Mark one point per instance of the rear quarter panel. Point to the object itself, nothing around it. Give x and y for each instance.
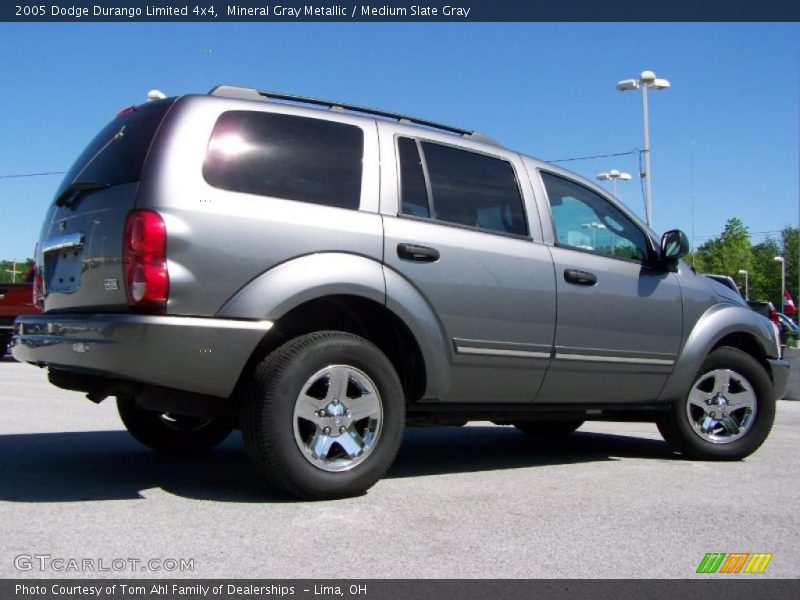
(218, 240)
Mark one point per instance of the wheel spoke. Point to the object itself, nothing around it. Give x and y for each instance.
(321, 445)
(337, 384)
(722, 381)
(351, 442)
(366, 405)
(698, 398)
(743, 399)
(308, 407)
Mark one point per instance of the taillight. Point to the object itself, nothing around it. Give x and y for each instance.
(145, 261)
(37, 280)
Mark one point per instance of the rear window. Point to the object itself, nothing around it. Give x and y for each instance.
(285, 156)
(116, 154)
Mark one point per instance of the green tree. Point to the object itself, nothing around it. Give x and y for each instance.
(791, 254)
(765, 276)
(728, 253)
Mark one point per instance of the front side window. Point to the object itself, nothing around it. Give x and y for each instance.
(463, 187)
(285, 156)
(585, 220)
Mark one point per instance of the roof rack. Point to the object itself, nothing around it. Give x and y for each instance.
(232, 91)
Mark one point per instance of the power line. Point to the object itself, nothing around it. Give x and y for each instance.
(750, 234)
(32, 174)
(634, 151)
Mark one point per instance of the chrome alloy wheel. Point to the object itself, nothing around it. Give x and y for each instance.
(337, 418)
(721, 406)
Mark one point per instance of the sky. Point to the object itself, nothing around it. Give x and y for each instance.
(725, 138)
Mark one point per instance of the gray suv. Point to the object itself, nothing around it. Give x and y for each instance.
(320, 275)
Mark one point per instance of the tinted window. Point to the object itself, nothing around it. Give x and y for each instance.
(586, 220)
(310, 160)
(116, 154)
(471, 189)
(413, 192)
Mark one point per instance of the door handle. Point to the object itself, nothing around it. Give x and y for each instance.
(580, 277)
(417, 253)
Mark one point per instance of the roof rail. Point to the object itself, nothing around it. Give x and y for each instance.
(244, 93)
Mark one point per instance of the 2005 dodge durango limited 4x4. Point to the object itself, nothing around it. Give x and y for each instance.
(319, 275)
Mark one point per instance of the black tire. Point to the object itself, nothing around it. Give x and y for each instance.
(171, 433)
(548, 429)
(273, 434)
(677, 429)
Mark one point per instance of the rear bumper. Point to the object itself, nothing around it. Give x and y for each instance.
(780, 377)
(193, 354)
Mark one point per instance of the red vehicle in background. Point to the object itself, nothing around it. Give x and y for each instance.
(16, 299)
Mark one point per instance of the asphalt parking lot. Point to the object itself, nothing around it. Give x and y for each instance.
(472, 502)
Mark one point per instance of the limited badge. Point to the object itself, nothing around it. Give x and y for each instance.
(111, 284)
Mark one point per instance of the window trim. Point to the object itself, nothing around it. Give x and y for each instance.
(649, 259)
(429, 188)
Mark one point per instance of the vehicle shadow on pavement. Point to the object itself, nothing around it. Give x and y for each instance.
(110, 465)
(440, 450)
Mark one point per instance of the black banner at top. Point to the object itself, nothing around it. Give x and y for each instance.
(418, 11)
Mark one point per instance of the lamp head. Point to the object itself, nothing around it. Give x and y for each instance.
(647, 77)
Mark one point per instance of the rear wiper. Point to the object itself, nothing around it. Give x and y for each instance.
(74, 191)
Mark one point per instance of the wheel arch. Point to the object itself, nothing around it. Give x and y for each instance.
(722, 325)
(346, 292)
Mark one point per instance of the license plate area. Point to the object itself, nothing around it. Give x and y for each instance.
(63, 260)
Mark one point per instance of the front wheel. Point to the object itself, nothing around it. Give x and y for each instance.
(165, 432)
(323, 416)
(728, 411)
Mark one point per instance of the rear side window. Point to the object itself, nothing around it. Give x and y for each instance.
(465, 188)
(285, 156)
(116, 155)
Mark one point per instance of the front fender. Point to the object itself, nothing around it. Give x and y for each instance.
(715, 324)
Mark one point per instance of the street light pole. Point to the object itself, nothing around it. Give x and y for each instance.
(783, 280)
(746, 284)
(648, 191)
(646, 80)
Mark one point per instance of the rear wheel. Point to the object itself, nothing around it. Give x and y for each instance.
(548, 429)
(324, 415)
(165, 432)
(728, 411)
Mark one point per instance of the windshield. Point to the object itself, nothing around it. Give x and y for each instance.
(116, 154)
